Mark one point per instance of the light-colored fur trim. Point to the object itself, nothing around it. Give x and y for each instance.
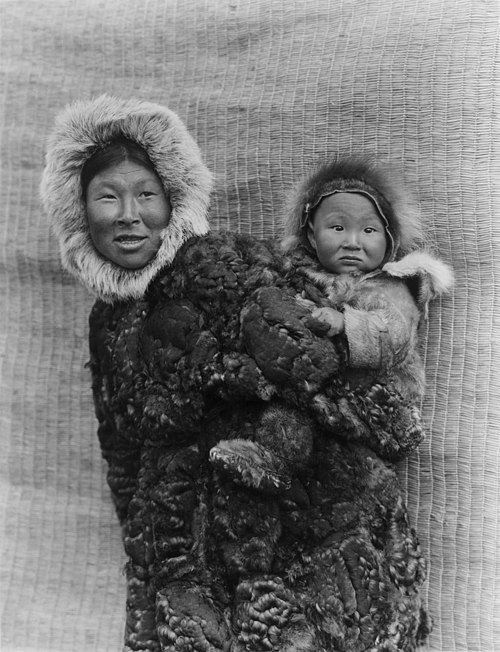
(423, 265)
(434, 276)
(87, 125)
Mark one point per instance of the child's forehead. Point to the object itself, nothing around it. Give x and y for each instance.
(349, 205)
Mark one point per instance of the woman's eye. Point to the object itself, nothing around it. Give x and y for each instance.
(148, 193)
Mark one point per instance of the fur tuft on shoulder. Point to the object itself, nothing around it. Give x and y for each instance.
(434, 277)
(80, 130)
(422, 263)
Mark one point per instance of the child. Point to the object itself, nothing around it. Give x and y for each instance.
(353, 234)
(353, 237)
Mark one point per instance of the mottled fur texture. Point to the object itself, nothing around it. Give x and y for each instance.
(326, 560)
(209, 344)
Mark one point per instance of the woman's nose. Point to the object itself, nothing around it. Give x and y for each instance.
(129, 213)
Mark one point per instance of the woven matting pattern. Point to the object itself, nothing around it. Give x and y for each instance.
(266, 87)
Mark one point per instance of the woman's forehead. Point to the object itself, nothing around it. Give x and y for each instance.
(124, 172)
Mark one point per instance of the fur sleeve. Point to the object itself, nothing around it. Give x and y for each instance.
(381, 328)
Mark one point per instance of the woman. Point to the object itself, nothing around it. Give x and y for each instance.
(196, 338)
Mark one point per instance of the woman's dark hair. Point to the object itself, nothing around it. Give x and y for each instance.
(117, 151)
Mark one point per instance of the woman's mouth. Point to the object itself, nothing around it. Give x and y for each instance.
(129, 238)
(129, 241)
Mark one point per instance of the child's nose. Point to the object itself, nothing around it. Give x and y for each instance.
(351, 240)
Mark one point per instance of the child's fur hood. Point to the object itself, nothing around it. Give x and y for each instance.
(356, 174)
(80, 130)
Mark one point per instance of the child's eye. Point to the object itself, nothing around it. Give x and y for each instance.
(337, 227)
(370, 229)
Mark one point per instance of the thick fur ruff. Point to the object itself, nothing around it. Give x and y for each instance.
(84, 127)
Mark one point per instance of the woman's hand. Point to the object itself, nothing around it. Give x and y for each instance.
(333, 318)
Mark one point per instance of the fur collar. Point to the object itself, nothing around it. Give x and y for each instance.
(87, 125)
(432, 277)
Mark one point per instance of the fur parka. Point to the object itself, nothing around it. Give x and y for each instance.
(209, 343)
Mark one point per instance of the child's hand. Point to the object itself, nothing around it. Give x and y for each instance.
(333, 318)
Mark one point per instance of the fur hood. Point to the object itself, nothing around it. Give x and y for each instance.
(80, 130)
(362, 175)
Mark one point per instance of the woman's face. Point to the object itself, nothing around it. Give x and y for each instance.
(127, 210)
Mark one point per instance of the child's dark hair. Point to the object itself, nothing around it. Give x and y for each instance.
(117, 151)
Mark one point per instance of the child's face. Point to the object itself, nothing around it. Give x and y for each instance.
(127, 211)
(348, 234)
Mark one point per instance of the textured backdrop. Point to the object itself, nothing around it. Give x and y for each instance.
(266, 86)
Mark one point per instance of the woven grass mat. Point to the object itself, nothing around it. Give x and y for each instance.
(266, 86)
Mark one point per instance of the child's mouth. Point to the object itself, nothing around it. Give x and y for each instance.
(350, 260)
